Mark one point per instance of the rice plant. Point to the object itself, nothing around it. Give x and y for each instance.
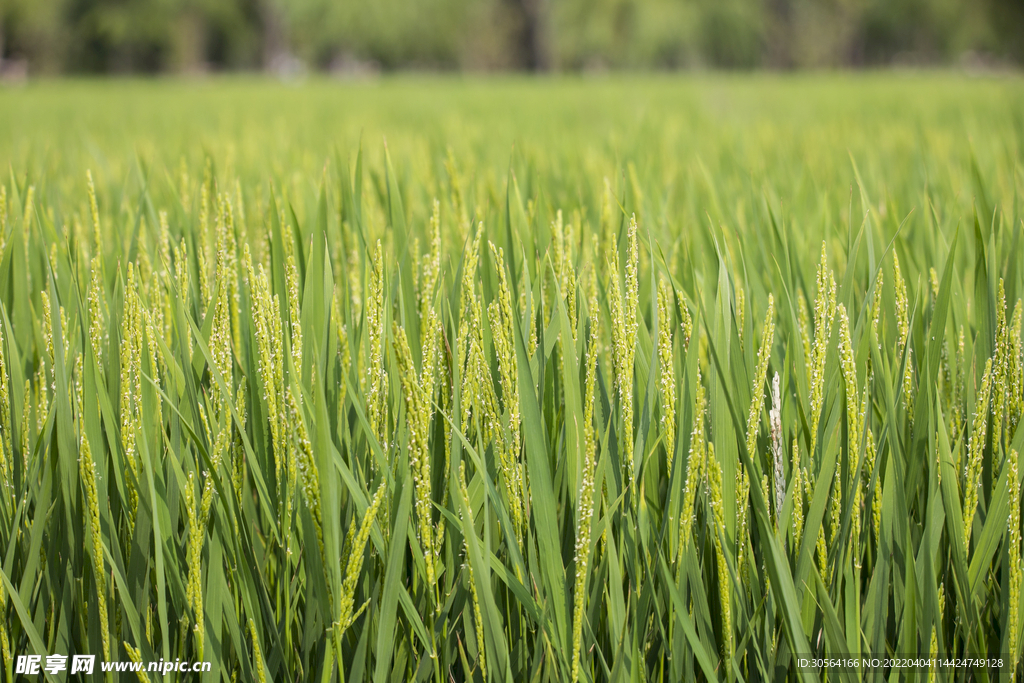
(406, 421)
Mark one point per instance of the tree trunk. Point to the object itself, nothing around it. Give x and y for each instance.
(540, 44)
(780, 34)
(274, 48)
(188, 49)
(529, 38)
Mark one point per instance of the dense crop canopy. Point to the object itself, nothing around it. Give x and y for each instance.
(674, 403)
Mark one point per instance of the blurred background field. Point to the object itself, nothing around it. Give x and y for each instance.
(793, 137)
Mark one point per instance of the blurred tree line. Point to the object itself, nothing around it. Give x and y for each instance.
(117, 36)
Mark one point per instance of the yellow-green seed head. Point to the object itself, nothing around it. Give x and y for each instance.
(502, 333)
(1002, 368)
(417, 424)
(94, 211)
(775, 428)
(741, 307)
(376, 382)
(976, 448)
(724, 580)
(760, 376)
(136, 656)
(902, 305)
(257, 654)
(294, 310)
(196, 535)
(876, 310)
(667, 375)
(3, 216)
(847, 365)
(824, 314)
(585, 510)
(694, 465)
(687, 321)
(798, 495)
(1016, 577)
(1016, 380)
(468, 528)
(804, 325)
(356, 550)
(87, 470)
(6, 417)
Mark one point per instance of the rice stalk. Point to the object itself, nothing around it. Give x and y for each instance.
(294, 310)
(131, 388)
(6, 425)
(775, 429)
(376, 375)
(798, 495)
(585, 509)
(500, 315)
(356, 551)
(824, 314)
(876, 310)
(667, 371)
(1016, 578)
(976, 449)
(903, 331)
(87, 470)
(308, 473)
(1016, 373)
(624, 329)
(724, 583)
(257, 654)
(469, 529)
(1001, 369)
(741, 307)
(686, 323)
(695, 465)
(417, 420)
(194, 585)
(136, 656)
(3, 218)
(753, 424)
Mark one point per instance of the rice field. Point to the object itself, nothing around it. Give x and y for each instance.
(569, 380)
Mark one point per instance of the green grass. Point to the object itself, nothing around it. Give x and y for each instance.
(245, 433)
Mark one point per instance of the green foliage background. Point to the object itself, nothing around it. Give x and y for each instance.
(103, 36)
